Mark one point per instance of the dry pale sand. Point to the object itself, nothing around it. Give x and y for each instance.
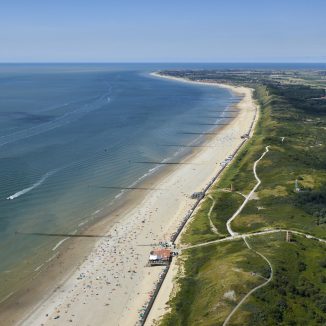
(113, 284)
(248, 116)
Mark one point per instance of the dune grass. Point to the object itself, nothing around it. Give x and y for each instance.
(216, 277)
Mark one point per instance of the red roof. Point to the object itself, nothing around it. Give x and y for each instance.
(162, 253)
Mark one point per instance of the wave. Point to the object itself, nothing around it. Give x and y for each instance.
(35, 185)
(59, 243)
(7, 297)
(38, 268)
(52, 257)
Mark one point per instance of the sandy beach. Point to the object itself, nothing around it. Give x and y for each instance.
(113, 284)
(248, 116)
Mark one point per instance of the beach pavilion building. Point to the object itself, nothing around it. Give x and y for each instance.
(158, 257)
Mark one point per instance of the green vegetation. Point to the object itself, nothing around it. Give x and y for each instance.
(215, 282)
(217, 276)
(300, 158)
(292, 195)
(297, 293)
(313, 202)
(199, 230)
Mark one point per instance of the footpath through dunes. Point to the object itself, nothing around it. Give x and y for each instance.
(226, 321)
(218, 279)
(236, 236)
(113, 282)
(228, 224)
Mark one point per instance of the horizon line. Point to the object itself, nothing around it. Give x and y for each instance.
(162, 62)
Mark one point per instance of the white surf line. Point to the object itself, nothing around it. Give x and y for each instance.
(213, 227)
(85, 221)
(254, 289)
(59, 243)
(228, 223)
(97, 211)
(7, 297)
(52, 257)
(38, 267)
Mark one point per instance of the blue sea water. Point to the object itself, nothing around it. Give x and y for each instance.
(69, 131)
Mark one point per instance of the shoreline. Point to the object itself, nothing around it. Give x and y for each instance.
(44, 285)
(234, 89)
(21, 296)
(134, 292)
(166, 290)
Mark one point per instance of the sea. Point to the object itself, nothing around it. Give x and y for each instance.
(74, 136)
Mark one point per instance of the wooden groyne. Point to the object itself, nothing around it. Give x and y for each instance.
(175, 235)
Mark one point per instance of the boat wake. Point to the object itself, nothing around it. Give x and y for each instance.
(35, 185)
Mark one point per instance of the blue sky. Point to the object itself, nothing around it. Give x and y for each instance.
(162, 31)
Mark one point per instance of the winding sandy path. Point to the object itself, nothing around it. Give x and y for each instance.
(213, 227)
(226, 321)
(235, 236)
(228, 223)
(239, 236)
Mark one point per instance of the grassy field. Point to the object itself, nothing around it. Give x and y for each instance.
(215, 282)
(292, 195)
(297, 294)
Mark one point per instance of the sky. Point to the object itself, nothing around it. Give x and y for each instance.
(162, 31)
